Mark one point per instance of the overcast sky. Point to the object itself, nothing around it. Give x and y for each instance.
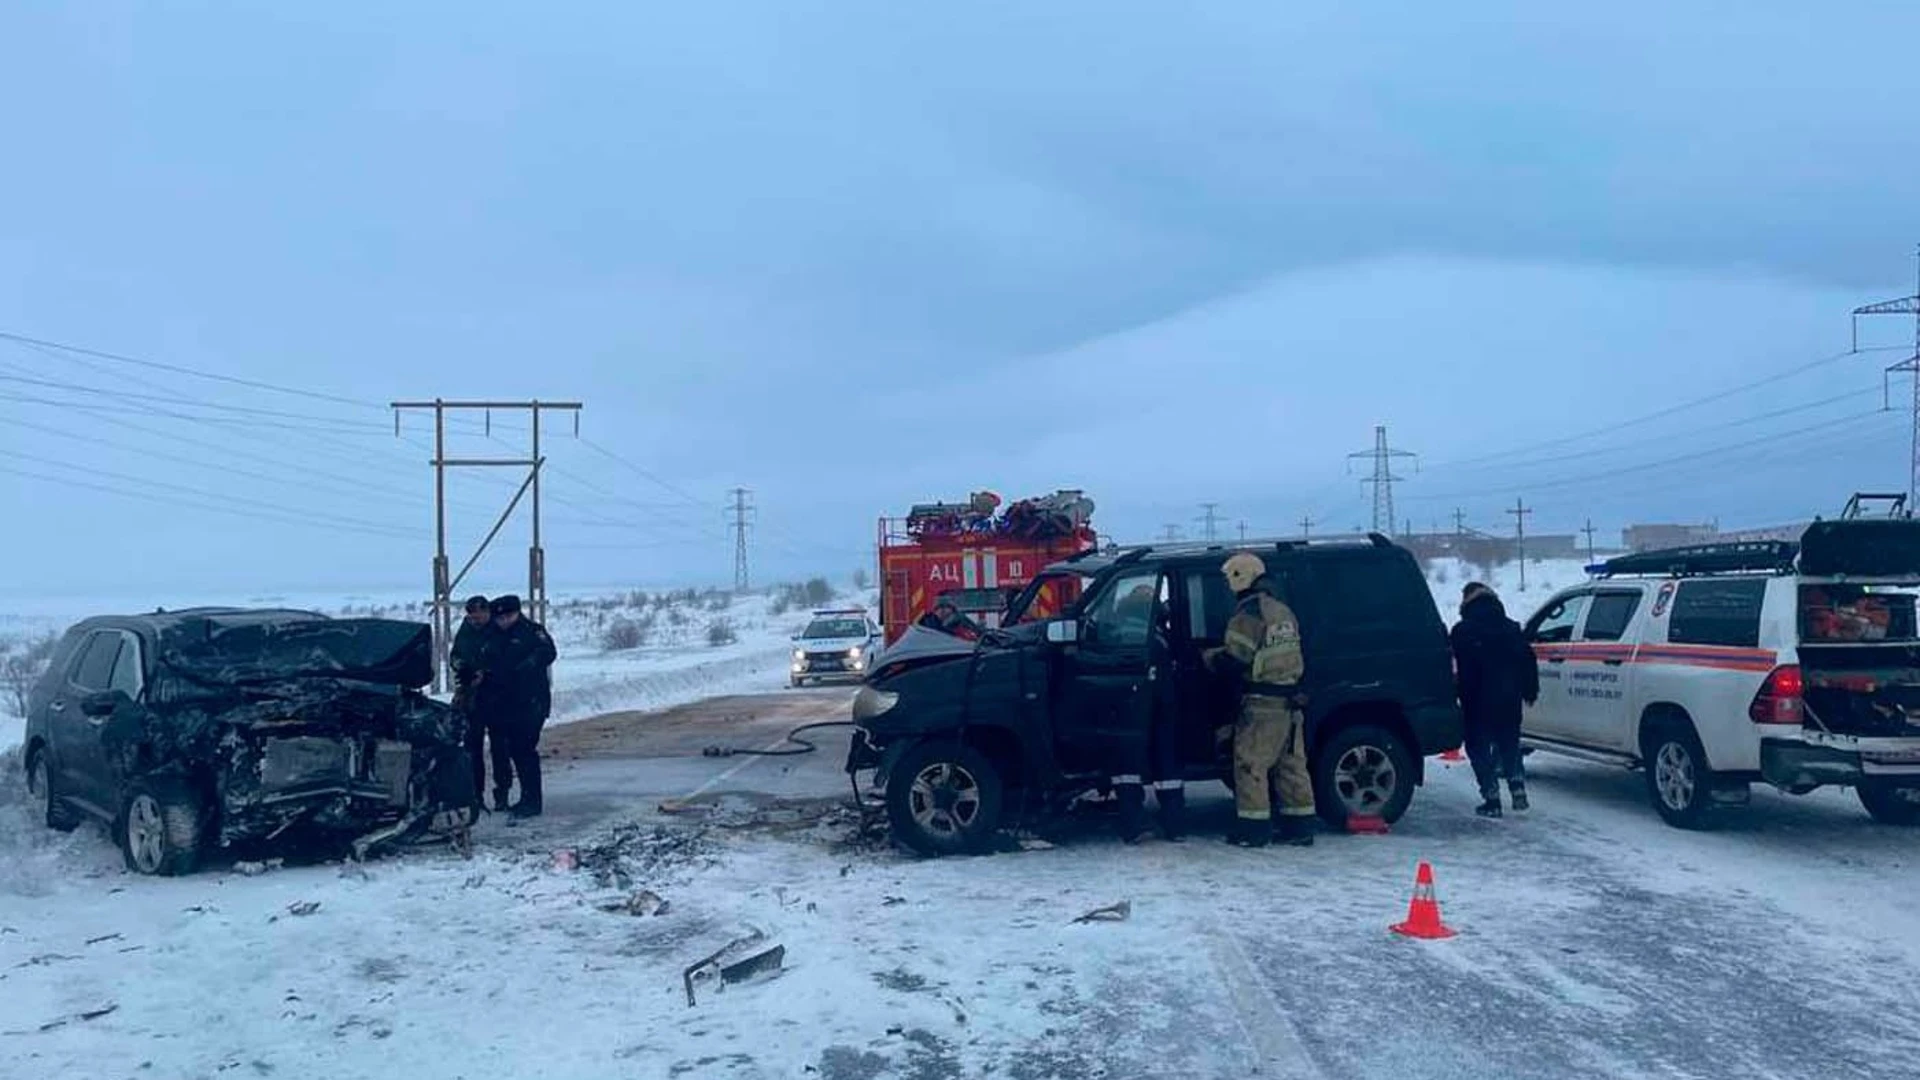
(855, 255)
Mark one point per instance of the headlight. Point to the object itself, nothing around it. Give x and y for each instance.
(869, 703)
(853, 653)
(799, 654)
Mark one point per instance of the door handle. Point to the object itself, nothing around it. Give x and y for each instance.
(1556, 659)
(59, 705)
(1613, 663)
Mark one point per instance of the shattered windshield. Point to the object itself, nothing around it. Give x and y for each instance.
(835, 628)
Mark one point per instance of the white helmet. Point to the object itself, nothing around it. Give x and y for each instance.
(1243, 568)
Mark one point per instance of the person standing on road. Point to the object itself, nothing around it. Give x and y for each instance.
(1263, 652)
(517, 692)
(1498, 677)
(467, 657)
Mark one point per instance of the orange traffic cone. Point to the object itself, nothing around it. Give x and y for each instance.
(1453, 755)
(1423, 914)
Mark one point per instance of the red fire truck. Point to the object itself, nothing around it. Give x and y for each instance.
(977, 555)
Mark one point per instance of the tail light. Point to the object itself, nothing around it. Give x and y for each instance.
(1778, 701)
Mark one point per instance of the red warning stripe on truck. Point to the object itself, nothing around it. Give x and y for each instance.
(1717, 657)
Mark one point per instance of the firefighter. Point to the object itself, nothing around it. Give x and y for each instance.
(517, 693)
(1262, 651)
(467, 656)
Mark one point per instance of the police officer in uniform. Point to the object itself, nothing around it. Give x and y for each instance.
(517, 693)
(1262, 651)
(466, 656)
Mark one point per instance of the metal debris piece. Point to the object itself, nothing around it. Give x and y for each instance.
(709, 967)
(640, 905)
(303, 907)
(254, 869)
(1034, 843)
(753, 966)
(890, 901)
(1111, 913)
(79, 1017)
(103, 937)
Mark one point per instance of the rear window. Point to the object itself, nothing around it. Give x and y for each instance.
(1708, 612)
(1609, 614)
(95, 669)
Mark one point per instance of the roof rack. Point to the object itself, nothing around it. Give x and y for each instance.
(1135, 552)
(1746, 556)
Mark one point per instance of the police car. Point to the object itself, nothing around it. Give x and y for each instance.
(1713, 667)
(837, 644)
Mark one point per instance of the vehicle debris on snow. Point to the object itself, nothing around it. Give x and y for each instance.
(734, 963)
(641, 904)
(1111, 913)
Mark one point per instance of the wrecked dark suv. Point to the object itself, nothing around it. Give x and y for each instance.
(962, 737)
(216, 727)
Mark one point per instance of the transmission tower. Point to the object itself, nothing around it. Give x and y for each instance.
(1209, 520)
(740, 522)
(1170, 533)
(444, 579)
(1906, 305)
(1382, 479)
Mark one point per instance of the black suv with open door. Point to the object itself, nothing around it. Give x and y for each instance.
(961, 736)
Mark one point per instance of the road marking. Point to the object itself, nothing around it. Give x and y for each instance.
(729, 772)
(1267, 1028)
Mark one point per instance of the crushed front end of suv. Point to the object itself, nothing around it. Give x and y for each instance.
(215, 727)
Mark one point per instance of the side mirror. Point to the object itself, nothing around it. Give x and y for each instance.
(101, 703)
(1063, 632)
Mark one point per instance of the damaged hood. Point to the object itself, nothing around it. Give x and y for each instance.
(920, 643)
(215, 651)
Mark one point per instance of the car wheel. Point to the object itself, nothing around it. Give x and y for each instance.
(1363, 770)
(43, 796)
(162, 825)
(1678, 780)
(1890, 804)
(944, 799)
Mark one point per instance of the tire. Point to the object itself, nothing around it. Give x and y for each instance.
(1364, 769)
(1890, 804)
(43, 794)
(1678, 780)
(931, 774)
(162, 827)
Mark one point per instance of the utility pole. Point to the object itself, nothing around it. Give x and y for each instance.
(742, 512)
(1906, 305)
(1306, 526)
(1520, 511)
(1459, 522)
(1170, 533)
(444, 583)
(1243, 530)
(1589, 530)
(1209, 520)
(1382, 479)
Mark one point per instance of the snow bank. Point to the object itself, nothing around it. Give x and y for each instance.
(1544, 578)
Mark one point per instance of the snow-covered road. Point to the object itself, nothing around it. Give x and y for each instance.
(1594, 942)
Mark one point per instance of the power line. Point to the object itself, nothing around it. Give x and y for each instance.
(179, 369)
(1572, 481)
(128, 395)
(1906, 305)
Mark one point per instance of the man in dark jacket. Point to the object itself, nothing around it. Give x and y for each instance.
(1499, 677)
(466, 656)
(517, 694)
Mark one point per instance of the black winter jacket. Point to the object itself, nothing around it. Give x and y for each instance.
(516, 662)
(1497, 668)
